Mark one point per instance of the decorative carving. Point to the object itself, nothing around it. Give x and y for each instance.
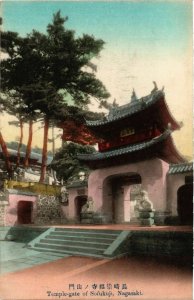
(144, 209)
(133, 96)
(127, 132)
(155, 89)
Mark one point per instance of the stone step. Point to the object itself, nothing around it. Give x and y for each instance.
(76, 243)
(80, 238)
(96, 243)
(62, 253)
(84, 230)
(86, 233)
(65, 248)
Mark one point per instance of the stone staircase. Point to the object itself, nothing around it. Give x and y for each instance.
(82, 242)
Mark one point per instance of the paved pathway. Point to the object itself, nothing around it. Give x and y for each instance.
(84, 278)
(15, 256)
(27, 274)
(78, 278)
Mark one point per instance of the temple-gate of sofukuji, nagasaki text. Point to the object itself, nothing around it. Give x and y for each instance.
(137, 176)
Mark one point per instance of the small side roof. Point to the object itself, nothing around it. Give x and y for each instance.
(33, 156)
(181, 168)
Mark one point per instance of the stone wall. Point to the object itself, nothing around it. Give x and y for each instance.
(48, 210)
(3, 207)
(2, 213)
(175, 245)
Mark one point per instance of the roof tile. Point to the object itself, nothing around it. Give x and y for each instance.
(128, 109)
(181, 168)
(124, 150)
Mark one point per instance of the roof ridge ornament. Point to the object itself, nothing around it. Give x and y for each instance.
(115, 104)
(155, 89)
(133, 96)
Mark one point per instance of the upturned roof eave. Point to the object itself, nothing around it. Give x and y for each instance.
(141, 105)
(168, 151)
(124, 150)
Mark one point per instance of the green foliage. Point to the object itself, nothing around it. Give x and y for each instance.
(44, 71)
(14, 105)
(40, 65)
(66, 163)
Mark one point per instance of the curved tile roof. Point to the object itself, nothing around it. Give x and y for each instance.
(128, 109)
(33, 155)
(125, 150)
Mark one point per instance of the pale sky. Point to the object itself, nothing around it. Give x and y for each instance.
(145, 41)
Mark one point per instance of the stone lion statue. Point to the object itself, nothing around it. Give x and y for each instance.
(144, 204)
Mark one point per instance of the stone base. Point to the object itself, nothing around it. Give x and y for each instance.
(160, 217)
(87, 221)
(147, 222)
(134, 221)
(87, 218)
(172, 220)
(100, 218)
(146, 214)
(146, 217)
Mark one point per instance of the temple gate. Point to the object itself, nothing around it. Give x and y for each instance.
(135, 139)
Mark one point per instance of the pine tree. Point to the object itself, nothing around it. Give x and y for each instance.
(2, 142)
(15, 105)
(48, 71)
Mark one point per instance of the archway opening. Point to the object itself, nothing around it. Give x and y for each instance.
(24, 212)
(185, 204)
(119, 199)
(79, 203)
